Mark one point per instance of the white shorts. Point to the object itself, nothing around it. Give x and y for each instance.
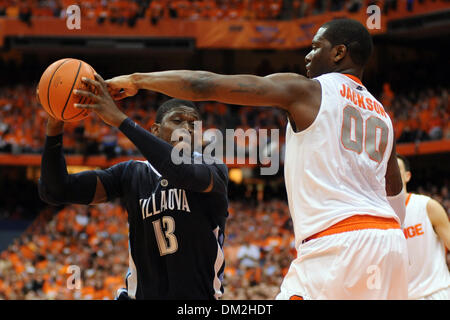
(443, 294)
(361, 264)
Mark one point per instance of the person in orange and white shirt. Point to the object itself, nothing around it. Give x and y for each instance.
(427, 233)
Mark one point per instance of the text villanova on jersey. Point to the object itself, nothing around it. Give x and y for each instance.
(170, 199)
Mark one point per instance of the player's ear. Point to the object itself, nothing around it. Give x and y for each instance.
(155, 129)
(339, 52)
(407, 176)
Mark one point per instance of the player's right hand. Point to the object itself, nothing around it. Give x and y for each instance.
(121, 87)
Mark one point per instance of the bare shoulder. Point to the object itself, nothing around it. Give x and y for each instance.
(302, 95)
(295, 81)
(303, 98)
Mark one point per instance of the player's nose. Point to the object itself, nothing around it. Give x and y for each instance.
(188, 126)
(308, 58)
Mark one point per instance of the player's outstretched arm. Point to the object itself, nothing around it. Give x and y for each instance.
(439, 219)
(56, 186)
(278, 90)
(195, 177)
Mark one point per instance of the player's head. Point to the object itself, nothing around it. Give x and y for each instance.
(340, 45)
(175, 114)
(405, 169)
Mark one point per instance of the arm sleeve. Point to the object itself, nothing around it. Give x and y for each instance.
(55, 185)
(113, 179)
(194, 177)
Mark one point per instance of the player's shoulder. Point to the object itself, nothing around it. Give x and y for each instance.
(212, 161)
(136, 166)
(294, 81)
(417, 198)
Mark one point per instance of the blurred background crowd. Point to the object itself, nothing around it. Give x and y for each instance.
(408, 76)
(126, 12)
(417, 116)
(259, 247)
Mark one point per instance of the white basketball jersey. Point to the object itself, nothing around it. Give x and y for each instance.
(336, 167)
(428, 271)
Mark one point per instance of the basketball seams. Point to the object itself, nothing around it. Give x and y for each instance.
(63, 72)
(49, 86)
(87, 100)
(70, 94)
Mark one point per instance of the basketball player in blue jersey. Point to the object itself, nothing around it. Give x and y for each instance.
(176, 213)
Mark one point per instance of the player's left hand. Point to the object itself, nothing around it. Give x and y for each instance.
(102, 103)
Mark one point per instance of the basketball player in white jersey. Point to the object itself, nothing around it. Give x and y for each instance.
(342, 178)
(427, 233)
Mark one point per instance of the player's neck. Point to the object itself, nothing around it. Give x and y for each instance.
(351, 71)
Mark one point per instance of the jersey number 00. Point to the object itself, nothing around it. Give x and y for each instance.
(373, 139)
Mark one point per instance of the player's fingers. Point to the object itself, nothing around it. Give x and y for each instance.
(85, 106)
(102, 82)
(86, 94)
(92, 82)
(99, 78)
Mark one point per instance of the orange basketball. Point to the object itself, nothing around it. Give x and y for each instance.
(55, 89)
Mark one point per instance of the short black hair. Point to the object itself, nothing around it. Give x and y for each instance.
(405, 162)
(171, 104)
(353, 35)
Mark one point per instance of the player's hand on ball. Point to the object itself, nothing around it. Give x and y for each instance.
(121, 87)
(102, 103)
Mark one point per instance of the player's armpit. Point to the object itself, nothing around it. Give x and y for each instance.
(110, 182)
(100, 193)
(219, 179)
(440, 221)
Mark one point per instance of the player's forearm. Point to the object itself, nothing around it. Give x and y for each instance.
(53, 165)
(209, 86)
(56, 186)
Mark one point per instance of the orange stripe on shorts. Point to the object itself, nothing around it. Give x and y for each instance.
(357, 222)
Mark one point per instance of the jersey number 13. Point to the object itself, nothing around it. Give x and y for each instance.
(167, 241)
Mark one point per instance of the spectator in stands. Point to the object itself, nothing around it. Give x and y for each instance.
(156, 11)
(249, 254)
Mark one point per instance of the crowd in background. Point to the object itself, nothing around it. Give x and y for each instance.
(92, 241)
(417, 116)
(127, 12)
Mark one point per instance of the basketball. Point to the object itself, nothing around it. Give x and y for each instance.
(55, 89)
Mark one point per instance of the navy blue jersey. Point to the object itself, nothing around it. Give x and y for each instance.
(175, 235)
